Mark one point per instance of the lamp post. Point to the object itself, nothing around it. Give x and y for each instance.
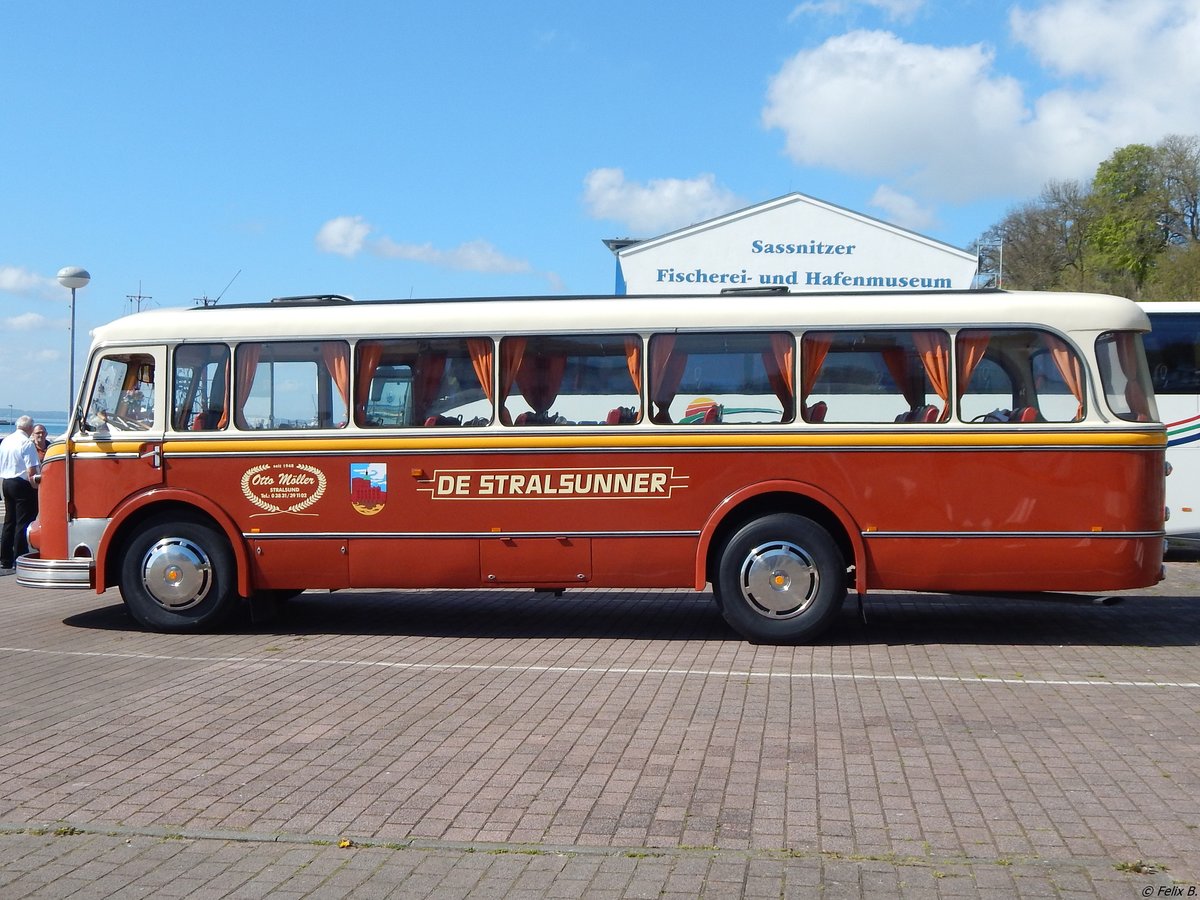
(74, 278)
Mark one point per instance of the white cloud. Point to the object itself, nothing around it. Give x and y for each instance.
(344, 235)
(901, 209)
(660, 205)
(1135, 59)
(897, 10)
(472, 256)
(348, 236)
(871, 104)
(23, 283)
(29, 321)
(944, 123)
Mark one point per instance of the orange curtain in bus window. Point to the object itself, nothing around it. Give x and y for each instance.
(1069, 367)
(336, 357)
(369, 355)
(896, 360)
(427, 381)
(934, 348)
(666, 373)
(972, 345)
(779, 362)
(481, 361)
(633, 360)
(512, 352)
(221, 357)
(813, 350)
(248, 356)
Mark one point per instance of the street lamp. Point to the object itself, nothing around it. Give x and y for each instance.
(74, 278)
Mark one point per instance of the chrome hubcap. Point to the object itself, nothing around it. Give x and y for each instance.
(176, 573)
(779, 580)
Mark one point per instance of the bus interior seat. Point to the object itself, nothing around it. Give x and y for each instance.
(1025, 414)
(816, 412)
(622, 415)
(712, 415)
(923, 414)
(441, 421)
(542, 418)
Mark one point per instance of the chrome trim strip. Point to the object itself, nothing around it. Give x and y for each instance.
(941, 535)
(35, 572)
(457, 535)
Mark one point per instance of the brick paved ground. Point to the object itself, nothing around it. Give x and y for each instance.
(616, 743)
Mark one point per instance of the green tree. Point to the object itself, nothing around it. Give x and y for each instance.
(1129, 208)
(1176, 274)
(1043, 240)
(1179, 172)
(1134, 230)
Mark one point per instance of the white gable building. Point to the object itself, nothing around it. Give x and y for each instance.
(796, 242)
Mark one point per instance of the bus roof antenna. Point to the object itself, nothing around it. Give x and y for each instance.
(206, 301)
(231, 281)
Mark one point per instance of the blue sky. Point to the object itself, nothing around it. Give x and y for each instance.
(396, 149)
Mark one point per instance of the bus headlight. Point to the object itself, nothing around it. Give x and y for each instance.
(1166, 514)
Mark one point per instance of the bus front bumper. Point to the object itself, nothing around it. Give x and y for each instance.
(35, 572)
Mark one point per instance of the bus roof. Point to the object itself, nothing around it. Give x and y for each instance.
(1170, 306)
(301, 318)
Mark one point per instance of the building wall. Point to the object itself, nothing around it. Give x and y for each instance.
(796, 242)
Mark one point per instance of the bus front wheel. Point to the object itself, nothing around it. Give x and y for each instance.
(178, 575)
(780, 579)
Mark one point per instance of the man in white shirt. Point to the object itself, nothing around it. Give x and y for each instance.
(19, 469)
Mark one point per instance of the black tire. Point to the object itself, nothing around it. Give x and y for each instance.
(780, 579)
(178, 575)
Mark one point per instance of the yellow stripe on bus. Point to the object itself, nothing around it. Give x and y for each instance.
(656, 440)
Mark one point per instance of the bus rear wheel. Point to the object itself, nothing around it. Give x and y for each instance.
(178, 575)
(780, 579)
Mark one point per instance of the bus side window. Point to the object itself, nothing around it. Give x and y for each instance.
(410, 382)
(1018, 375)
(571, 380)
(711, 378)
(1173, 352)
(123, 394)
(201, 389)
(286, 385)
(876, 376)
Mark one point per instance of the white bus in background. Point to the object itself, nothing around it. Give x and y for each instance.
(1173, 351)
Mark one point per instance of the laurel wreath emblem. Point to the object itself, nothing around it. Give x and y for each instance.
(272, 508)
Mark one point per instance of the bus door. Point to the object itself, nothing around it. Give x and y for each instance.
(117, 433)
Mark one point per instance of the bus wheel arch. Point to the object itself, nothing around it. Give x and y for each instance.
(133, 516)
(771, 498)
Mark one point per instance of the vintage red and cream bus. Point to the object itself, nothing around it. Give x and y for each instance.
(784, 449)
